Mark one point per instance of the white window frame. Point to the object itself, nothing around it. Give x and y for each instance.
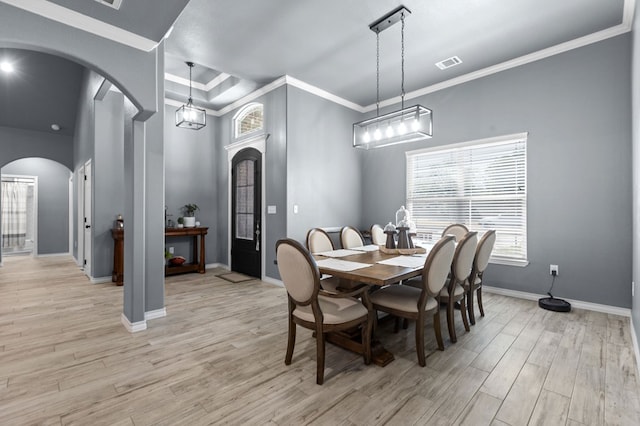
(241, 114)
(511, 243)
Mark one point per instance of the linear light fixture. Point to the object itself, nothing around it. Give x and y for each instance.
(188, 116)
(405, 125)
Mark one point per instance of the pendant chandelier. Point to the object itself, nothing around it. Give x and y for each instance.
(188, 116)
(409, 124)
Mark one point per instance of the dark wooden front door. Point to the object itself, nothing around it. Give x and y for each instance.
(246, 241)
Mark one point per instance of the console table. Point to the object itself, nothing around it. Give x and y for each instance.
(196, 265)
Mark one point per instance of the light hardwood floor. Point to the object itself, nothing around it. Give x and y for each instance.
(218, 357)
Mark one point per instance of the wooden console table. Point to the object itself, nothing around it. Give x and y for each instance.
(197, 265)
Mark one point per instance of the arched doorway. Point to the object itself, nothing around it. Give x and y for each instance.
(246, 208)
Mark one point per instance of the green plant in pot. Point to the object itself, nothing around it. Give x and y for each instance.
(180, 222)
(189, 211)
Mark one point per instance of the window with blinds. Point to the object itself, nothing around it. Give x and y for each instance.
(482, 184)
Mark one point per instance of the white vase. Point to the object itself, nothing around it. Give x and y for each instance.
(189, 221)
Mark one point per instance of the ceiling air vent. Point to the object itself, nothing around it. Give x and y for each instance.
(448, 63)
(111, 3)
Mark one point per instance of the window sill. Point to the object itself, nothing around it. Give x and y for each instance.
(510, 262)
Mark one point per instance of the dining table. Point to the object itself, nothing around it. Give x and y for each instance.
(376, 267)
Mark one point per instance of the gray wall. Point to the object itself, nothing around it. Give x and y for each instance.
(576, 108)
(190, 170)
(19, 143)
(108, 179)
(635, 86)
(53, 201)
(324, 176)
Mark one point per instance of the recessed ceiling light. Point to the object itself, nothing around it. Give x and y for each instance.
(55, 127)
(6, 66)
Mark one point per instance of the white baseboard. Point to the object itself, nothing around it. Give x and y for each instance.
(614, 310)
(273, 281)
(133, 327)
(636, 350)
(100, 280)
(52, 254)
(217, 265)
(158, 313)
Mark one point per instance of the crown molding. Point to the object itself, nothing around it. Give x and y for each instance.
(83, 22)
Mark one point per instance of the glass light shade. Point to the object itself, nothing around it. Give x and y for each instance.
(190, 117)
(408, 125)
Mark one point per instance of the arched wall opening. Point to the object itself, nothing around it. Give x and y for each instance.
(50, 205)
(139, 76)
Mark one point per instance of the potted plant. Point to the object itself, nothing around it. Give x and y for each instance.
(180, 222)
(189, 211)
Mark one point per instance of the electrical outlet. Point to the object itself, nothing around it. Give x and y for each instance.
(553, 270)
(171, 250)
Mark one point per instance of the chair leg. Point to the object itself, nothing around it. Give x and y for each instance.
(437, 329)
(463, 312)
(479, 297)
(472, 317)
(420, 340)
(450, 323)
(291, 342)
(367, 331)
(320, 357)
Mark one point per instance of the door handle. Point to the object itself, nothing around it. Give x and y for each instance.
(87, 226)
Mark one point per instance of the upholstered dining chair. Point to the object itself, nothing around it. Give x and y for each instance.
(456, 288)
(415, 303)
(480, 263)
(350, 237)
(458, 230)
(315, 309)
(377, 235)
(318, 241)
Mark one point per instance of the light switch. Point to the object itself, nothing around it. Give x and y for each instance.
(295, 209)
(271, 209)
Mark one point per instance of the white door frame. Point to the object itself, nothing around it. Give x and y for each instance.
(79, 217)
(260, 144)
(34, 253)
(87, 231)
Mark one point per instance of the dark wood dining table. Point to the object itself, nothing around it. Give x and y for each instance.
(376, 275)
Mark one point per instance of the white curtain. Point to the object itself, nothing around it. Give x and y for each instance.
(14, 214)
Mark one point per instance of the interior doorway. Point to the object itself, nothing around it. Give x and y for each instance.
(19, 219)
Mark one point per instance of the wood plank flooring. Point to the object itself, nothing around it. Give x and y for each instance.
(218, 358)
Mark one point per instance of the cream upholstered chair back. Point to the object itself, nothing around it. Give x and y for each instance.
(319, 241)
(350, 237)
(464, 255)
(298, 270)
(377, 235)
(438, 265)
(458, 230)
(483, 252)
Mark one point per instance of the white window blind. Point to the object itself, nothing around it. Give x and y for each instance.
(482, 184)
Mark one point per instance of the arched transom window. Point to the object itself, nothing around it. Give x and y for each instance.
(249, 119)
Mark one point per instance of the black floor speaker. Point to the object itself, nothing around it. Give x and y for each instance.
(553, 304)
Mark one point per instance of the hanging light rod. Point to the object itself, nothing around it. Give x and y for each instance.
(389, 19)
